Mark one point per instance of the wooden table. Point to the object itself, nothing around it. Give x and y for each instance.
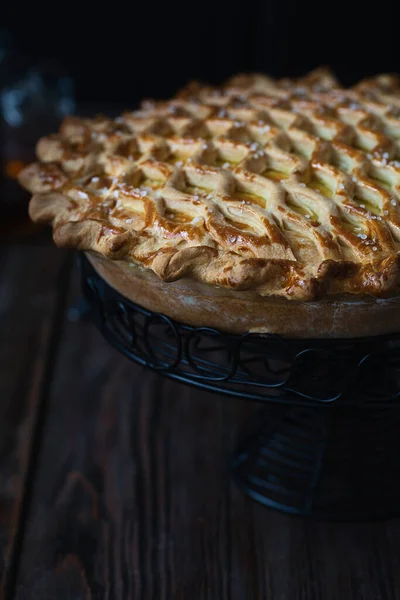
(114, 481)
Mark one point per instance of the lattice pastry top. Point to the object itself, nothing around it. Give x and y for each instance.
(287, 187)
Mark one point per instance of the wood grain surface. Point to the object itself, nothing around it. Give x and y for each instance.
(29, 306)
(130, 495)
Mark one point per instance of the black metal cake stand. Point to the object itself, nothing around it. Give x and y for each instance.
(325, 442)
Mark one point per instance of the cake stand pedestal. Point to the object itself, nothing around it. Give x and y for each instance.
(325, 442)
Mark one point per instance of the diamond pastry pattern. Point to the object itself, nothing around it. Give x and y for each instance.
(287, 187)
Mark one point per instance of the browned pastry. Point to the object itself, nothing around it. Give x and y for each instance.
(285, 188)
(199, 304)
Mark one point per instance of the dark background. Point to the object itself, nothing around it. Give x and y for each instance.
(123, 51)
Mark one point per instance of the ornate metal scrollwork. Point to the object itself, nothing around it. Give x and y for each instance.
(260, 367)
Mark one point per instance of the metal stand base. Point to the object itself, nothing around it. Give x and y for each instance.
(328, 463)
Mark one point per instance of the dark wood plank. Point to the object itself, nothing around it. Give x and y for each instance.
(29, 300)
(133, 500)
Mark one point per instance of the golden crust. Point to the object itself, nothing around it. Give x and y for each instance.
(288, 188)
(201, 305)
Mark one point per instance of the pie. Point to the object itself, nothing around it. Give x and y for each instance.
(260, 205)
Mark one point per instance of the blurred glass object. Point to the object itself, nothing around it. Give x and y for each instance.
(34, 97)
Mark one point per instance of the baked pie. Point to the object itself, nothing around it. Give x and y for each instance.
(260, 205)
